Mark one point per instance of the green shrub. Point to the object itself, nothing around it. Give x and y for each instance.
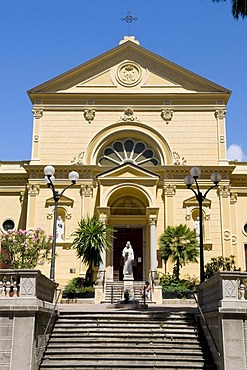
(77, 285)
(173, 288)
(220, 264)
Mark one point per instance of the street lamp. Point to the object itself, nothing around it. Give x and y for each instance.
(195, 174)
(49, 172)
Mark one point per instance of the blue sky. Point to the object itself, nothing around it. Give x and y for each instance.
(40, 39)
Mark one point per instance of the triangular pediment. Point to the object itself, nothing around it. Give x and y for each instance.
(127, 68)
(128, 172)
(65, 201)
(193, 202)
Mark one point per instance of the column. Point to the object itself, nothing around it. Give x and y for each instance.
(153, 251)
(37, 115)
(221, 131)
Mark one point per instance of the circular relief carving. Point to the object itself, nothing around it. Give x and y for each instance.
(234, 239)
(129, 74)
(222, 138)
(244, 229)
(227, 235)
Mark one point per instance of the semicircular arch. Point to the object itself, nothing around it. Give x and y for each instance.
(134, 130)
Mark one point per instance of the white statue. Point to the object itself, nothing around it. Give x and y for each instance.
(60, 230)
(128, 255)
(197, 227)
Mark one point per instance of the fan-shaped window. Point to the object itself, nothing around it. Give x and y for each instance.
(128, 150)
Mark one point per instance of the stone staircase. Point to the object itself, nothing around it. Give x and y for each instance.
(127, 340)
(115, 290)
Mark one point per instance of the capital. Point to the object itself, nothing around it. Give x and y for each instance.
(37, 112)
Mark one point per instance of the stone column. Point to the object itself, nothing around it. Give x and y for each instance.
(153, 252)
(37, 115)
(33, 191)
(221, 131)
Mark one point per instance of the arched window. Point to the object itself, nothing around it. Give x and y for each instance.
(128, 150)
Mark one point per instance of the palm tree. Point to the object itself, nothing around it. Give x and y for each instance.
(180, 244)
(239, 8)
(91, 238)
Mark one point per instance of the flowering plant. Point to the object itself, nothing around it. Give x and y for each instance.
(24, 249)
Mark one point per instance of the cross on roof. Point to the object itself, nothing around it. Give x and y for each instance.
(129, 19)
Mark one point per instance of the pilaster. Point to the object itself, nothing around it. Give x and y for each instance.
(33, 191)
(225, 210)
(221, 132)
(37, 116)
(169, 207)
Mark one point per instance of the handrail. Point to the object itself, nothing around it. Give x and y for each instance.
(49, 321)
(205, 322)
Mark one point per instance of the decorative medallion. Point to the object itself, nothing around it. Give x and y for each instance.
(129, 74)
(78, 159)
(166, 115)
(89, 115)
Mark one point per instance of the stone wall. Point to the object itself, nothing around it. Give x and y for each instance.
(26, 307)
(224, 312)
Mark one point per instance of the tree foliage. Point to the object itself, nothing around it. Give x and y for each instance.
(92, 237)
(239, 8)
(179, 244)
(24, 249)
(220, 264)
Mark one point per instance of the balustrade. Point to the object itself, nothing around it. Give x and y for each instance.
(26, 283)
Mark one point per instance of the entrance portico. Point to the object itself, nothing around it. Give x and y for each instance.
(127, 198)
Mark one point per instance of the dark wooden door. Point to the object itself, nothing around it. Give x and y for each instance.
(122, 235)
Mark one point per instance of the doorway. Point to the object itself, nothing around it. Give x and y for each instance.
(121, 236)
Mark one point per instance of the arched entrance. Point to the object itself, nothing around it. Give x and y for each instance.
(127, 197)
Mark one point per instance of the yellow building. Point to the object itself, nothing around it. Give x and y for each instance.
(132, 124)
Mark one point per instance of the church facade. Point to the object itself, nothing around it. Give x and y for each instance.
(132, 124)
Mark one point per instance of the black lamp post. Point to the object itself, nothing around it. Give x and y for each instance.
(49, 172)
(195, 174)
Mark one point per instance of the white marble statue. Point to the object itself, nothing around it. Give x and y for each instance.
(60, 230)
(197, 227)
(128, 255)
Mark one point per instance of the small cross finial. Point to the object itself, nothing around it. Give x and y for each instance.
(129, 19)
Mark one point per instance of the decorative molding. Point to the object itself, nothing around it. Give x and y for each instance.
(233, 198)
(37, 112)
(227, 234)
(22, 196)
(79, 160)
(230, 289)
(169, 189)
(152, 219)
(166, 115)
(36, 138)
(234, 239)
(178, 161)
(33, 189)
(87, 190)
(220, 113)
(128, 116)
(89, 115)
(224, 191)
(103, 218)
(222, 139)
(129, 74)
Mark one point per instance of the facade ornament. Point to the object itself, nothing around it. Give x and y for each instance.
(78, 160)
(231, 289)
(234, 239)
(129, 74)
(188, 217)
(178, 161)
(103, 218)
(169, 189)
(37, 112)
(33, 189)
(22, 195)
(222, 138)
(224, 191)
(152, 219)
(233, 198)
(220, 113)
(128, 116)
(89, 115)
(36, 138)
(227, 234)
(87, 190)
(166, 115)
